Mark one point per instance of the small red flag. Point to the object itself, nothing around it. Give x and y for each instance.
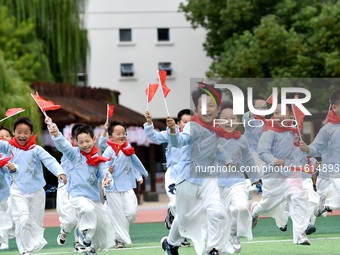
(270, 99)
(13, 111)
(4, 161)
(45, 105)
(298, 114)
(162, 79)
(110, 110)
(150, 91)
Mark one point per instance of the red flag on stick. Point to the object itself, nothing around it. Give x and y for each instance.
(4, 161)
(298, 114)
(45, 105)
(150, 91)
(270, 99)
(110, 110)
(13, 111)
(162, 79)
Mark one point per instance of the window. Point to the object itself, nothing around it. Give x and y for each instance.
(125, 35)
(165, 66)
(163, 34)
(126, 69)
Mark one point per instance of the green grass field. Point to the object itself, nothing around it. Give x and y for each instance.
(268, 240)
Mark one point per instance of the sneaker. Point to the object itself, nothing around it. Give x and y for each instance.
(119, 245)
(169, 219)
(235, 242)
(283, 229)
(79, 248)
(321, 208)
(61, 238)
(310, 229)
(303, 240)
(185, 243)
(92, 251)
(213, 252)
(82, 238)
(168, 248)
(4, 246)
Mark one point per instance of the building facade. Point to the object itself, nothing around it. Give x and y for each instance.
(131, 39)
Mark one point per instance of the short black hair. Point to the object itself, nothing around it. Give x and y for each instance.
(184, 112)
(112, 126)
(227, 105)
(84, 129)
(4, 128)
(335, 97)
(23, 120)
(207, 90)
(74, 128)
(258, 97)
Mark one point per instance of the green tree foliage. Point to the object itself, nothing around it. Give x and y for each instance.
(58, 24)
(22, 50)
(15, 93)
(271, 39)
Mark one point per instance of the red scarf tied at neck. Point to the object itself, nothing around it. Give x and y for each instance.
(92, 158)
(121, 147)
(28, 146)
(332, 118)
(273, 125)
(218, 130)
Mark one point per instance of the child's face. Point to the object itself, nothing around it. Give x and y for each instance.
(227, 114)
(279, 117)
(85, 142)
(5, 135)
(185, 119)
(118, 134)
(336, 109)
(22, 133)
(211, 110)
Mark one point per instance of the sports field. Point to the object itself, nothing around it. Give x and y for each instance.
(268, 240)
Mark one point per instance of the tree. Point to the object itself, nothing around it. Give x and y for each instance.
(271, 39)
(58, 24)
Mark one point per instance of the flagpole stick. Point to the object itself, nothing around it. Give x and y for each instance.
(298, 128)
(39, 106)
(11, 116)
(107, 113)
(147, 98)
(166, 106)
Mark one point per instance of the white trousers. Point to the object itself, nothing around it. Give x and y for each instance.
(167, 181)
(236, 203)
(122, 209)
(6, 222)
(275, 190)
(201, 217)
(28, 214)
(94, 218)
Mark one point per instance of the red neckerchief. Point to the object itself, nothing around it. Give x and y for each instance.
(332, 118)
(28, 146)
(218, 130)
(121, 147)
(257, 117)
(272, 125)
(92, 158)
(4, 161)
(235, 134)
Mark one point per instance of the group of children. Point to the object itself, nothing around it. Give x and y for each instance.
(213, 208)
(84, 172)
(210, 208)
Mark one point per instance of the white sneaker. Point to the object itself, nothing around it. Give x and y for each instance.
(235, 242)
(303, 240)
(4, 246)
(61, 238)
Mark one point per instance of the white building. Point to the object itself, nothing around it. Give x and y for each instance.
(131, 39)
